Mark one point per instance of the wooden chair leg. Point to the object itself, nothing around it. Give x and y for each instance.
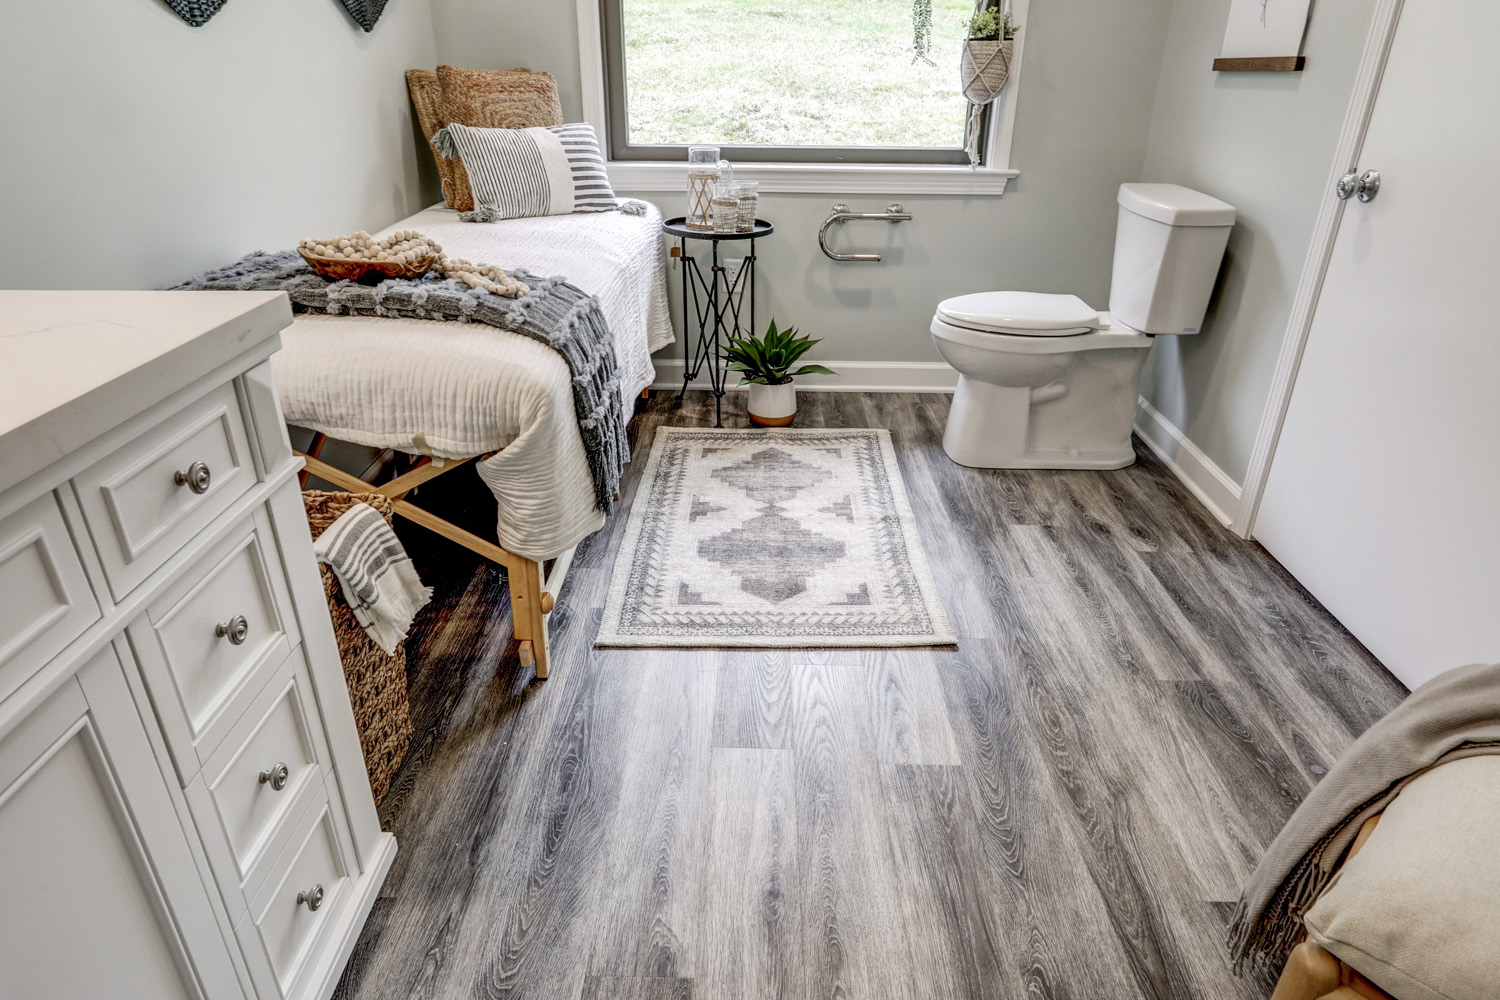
(1310, 973)
(528, 613)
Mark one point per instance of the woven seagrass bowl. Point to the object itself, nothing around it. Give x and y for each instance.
(367, 271)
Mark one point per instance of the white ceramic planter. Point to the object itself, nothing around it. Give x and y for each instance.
(772, 405)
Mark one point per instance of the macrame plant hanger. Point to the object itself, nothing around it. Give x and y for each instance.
(983, 70)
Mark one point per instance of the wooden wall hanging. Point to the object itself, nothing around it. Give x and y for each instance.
(1264, 36)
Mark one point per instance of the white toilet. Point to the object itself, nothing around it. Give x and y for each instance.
(1045, 382)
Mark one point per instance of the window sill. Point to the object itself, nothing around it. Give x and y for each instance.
(824, 178)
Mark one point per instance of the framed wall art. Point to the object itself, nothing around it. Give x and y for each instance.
(1264, 35)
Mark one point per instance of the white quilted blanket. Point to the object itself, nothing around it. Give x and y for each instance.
(458, 389)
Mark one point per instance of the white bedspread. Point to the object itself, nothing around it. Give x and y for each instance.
(458, 389)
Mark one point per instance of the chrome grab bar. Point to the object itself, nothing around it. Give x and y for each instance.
(893, 214)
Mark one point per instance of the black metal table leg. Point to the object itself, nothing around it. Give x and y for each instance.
(710, 309)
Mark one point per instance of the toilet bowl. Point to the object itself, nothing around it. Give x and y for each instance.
(1045, 382)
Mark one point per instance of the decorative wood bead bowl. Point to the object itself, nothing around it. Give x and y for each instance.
(370, 271)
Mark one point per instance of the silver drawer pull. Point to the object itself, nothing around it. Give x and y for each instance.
(235, 630)
(312, 897)
(276, 776)
(196, 477)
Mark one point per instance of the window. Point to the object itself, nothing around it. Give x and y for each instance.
(806, 94)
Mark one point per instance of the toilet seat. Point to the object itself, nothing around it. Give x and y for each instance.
(1107, 337)
(1022, 314)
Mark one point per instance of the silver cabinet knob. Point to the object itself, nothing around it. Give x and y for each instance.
(1366, 185)
(276, 776)
(312, 897)
(195, 477)
(235, 630)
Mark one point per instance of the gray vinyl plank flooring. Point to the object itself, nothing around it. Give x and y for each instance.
(1064, 806)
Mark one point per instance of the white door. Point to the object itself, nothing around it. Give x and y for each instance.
(1383, 497)
(90, 854)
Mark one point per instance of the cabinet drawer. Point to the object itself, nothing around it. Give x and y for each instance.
(209, 642)
(147, 499)
(267, 770)
(45, 600)
(283, 929)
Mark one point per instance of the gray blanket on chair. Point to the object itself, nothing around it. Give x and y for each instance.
(556, 313)
(1457, 714)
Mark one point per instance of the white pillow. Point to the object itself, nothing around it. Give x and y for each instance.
(1417, 910)
(520, 173)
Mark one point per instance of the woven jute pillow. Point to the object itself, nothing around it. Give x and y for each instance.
(481, 98)
(427, 99)
(376, 679)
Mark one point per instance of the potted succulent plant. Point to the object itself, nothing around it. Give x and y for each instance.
(765, 365)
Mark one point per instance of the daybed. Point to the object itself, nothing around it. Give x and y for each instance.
(453, 392)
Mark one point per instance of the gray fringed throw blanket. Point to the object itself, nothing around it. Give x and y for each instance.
(556, 313)
(1454, 715)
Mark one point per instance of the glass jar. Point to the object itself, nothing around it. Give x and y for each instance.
(726, 208)
(749, 198)
(706, 171)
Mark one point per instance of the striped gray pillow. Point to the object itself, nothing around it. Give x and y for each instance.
(519, 173)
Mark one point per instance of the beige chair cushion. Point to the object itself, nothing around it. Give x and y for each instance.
(1417, 910)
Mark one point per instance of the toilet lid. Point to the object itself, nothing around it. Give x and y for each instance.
(1033, 314)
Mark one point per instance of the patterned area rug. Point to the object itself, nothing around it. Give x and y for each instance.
(791, 538)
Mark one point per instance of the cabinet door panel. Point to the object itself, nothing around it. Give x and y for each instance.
(90, 849)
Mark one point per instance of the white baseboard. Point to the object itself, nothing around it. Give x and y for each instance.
(1209, 483)
(853, 376)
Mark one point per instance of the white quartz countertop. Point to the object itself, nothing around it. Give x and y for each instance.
(75, 364)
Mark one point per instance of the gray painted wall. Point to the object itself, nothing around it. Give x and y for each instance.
(169, 149)
(1082, 122)
(1264, 142)
(138, 150)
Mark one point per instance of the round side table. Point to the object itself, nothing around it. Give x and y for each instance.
(716, 303)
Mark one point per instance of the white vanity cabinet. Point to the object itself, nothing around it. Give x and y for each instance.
(184, 810)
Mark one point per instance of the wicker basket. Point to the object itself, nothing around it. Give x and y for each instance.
(376, 680)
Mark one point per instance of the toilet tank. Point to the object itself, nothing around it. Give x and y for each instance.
(1168, 246)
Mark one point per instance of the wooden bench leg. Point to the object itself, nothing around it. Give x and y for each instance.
(528, 612)
(1310, 972)
(314, 449)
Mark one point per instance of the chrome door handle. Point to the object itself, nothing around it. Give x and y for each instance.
(1366, 186)
(276, 776)
(312, 897)
(235, 630)
(195, 477)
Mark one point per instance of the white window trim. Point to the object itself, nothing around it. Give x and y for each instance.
(810, 178)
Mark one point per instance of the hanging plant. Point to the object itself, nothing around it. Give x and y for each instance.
(985, 66)
(921, 26)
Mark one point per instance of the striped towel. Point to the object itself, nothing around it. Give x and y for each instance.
(377, 576)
